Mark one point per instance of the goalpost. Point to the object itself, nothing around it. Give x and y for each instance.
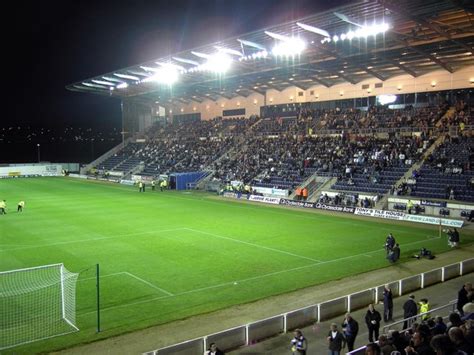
(36, 303)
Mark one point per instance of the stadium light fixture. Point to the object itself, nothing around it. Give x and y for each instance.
(218, 63)
(288, 46)
(122, 86)
(167, 74)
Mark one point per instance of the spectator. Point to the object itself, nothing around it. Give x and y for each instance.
(372, 349)
(465, 295)
(457, 338)
(443, 345)
(387, 304)
(420, 344)
(336, 340)
(468, 310)
(410, 309)
(440, 327)
(385, 347)
(213, 350)
(299, 344)
(372, 319)
(350, 328)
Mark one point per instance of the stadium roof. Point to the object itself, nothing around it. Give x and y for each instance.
(421, 36)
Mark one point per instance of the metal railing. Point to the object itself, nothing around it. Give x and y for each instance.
(253, 332)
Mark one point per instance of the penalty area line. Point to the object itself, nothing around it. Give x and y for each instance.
(232, 283)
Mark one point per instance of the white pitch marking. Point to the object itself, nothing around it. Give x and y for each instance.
(101, 276)
(148, 283)
(252, 244)
(93, 239)
(231, 283)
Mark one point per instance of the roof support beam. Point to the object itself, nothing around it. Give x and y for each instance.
(434, 27)
(338, 54)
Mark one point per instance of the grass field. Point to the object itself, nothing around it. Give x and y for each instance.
(170, 255)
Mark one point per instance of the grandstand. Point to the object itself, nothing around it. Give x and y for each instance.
(369, 107)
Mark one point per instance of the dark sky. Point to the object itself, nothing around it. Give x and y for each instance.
(50, 44)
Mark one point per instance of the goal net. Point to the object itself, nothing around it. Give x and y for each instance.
(36, 303)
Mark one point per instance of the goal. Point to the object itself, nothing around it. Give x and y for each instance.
(36, 303)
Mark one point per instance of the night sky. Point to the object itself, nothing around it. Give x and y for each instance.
(49, 44)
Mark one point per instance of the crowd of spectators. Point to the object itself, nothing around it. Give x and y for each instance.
(430, 335)
(281, 152)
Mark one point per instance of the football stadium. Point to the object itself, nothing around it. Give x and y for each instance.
(263, 188)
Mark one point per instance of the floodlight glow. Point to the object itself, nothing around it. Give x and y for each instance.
(122, 86)
(167, 74)
(291, 47)
(350, 35)
(335, 38)
(386, 99)
(218, 63)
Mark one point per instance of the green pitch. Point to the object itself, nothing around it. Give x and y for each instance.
(170, 255)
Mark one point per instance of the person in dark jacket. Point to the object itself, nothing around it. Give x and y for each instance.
(464, 296)
(350, 328)
(336, 341)
(372, 319)
(387, 304)
(420, 344)
(410, 309)
(214, 350)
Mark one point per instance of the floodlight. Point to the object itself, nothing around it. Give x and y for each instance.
(122, 86)
(218, 63)
(290, 47)
(335, 38)
(167, 74)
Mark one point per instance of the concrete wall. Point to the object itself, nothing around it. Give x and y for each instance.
(404, 84)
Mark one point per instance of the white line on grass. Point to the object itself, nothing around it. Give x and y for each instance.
(250, 278)
(101, 276)
(252, 244)
(93, 239)
(149, 284)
